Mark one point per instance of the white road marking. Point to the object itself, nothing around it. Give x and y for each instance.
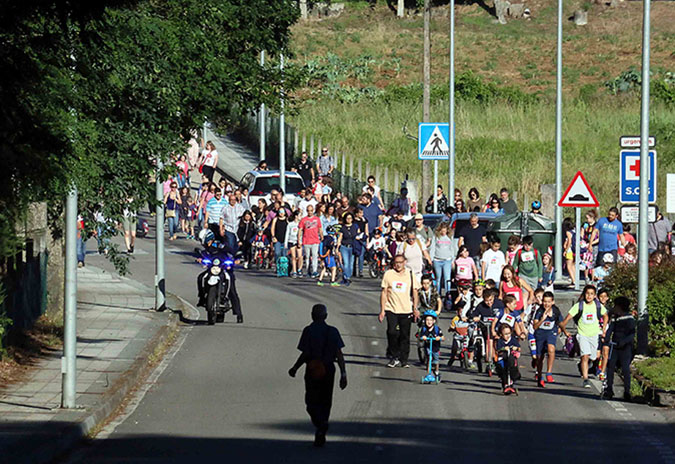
(378, 392)
(377, 373)
(374, 343)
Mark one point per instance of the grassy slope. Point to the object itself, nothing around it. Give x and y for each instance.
(499, 144)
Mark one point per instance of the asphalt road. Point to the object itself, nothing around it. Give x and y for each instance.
(226, 396)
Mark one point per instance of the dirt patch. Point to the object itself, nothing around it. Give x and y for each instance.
(26, 348)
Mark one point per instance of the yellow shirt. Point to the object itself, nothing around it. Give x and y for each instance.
(397, 285)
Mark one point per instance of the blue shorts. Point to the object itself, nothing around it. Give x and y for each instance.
(435, 357)
(329, 261)
(545, 338)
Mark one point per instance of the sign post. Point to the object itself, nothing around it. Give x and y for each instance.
(578, 195)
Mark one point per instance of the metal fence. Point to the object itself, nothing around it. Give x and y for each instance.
(350, 173)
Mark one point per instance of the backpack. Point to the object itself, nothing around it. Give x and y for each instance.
(598, 308)
(282, 266)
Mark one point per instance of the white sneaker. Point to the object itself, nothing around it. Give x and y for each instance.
(394, 363)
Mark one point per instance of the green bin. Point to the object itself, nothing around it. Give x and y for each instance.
(542, 229)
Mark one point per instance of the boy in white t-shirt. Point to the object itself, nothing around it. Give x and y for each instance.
(493, 261)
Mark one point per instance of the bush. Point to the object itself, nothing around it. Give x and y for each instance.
(660, 302)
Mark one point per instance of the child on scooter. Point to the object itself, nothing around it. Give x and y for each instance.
(431, 331)
(508, 352)
(327, 254)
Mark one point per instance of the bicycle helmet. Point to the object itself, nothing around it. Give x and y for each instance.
(536, 204)
(464, 283)
(431, 313)
(479, 283)
(330, 230)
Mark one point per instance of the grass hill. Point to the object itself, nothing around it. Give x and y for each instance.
(366, 65)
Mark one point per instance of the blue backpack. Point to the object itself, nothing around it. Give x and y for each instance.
(282, 266)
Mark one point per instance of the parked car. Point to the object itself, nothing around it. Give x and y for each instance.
(458, 221)
(260, 183)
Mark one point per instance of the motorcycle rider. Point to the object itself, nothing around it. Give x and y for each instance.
(232, 294)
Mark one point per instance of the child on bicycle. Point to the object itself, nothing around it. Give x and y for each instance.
(327, 254)
(376, 247)
(431, 331)
(260, 244)
(508, 352)
(506, 317)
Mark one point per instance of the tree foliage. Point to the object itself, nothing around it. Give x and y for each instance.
(94, 92)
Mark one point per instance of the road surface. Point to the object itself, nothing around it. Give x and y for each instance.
(225, 395)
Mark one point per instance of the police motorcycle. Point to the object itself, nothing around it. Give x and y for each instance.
(215, 285)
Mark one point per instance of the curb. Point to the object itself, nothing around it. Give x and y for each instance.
(72, 434)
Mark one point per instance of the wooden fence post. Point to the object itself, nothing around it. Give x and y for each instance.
(351, 167)
(360, 168)
(304, 142)
(385, 185)
(296, 136)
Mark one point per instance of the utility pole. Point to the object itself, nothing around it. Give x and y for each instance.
(69, 359)
(451, 120)
(558, 146)
(282, 132)
(643, 231)
(426, 94)
(160, 295)
(261, 115)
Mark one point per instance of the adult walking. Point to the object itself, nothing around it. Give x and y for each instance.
(229, 222)
(443, 252)
(345, 245)
(658, 231)
(278, 232)
(305, 168)
(398, 305)
(325, 164)
(320, 345)
(209, 160)
(214, 210)
(611, 233)
(172, 204)
(472, 237)
(309, 236)
(415, 253)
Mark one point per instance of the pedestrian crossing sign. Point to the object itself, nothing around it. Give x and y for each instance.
(433, 141)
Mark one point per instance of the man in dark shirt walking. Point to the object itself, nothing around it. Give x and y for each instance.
(305, 168)
(508, 205)
(320, 345)
(472, 237)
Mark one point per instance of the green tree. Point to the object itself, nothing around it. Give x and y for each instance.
(94, 92)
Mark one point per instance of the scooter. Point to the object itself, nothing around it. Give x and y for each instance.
(431, 377)
(215, 285)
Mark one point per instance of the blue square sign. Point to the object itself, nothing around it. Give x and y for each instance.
(630, 176)
(433, 141)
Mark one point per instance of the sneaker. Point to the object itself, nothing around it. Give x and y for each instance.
(472, 365)
(394, 363)
(335, 284)
(294, 275)
(587, 383)
(607, 395)
(300, 275)
(320, 284)
(314, 275)
(245, 265)
(404, 365)
(541, 383)
(549, 378)
(80, 264)
(602, 376)
(345, 283)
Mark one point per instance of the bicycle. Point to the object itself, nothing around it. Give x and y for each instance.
(460, 343)
(482, 346)
(377, 266)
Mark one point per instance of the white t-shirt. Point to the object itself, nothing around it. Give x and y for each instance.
(210, 158)
(414, 256)
(302, 206)
(376, 243)
(494, 263)
(375, 188)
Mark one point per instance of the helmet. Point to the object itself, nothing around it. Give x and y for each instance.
(330, 230)
(479, 283)
(608, 259)
(431, 313)
(464, 283)
(377, 231)
(536, 204)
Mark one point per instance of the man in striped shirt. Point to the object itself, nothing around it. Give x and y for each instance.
(214, 211)
(229, 222)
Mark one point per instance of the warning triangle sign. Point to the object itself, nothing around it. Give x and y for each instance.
(579, 194)
(436, 145)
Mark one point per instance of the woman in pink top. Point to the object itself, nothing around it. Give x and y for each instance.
(511, 284)
(182, 176)
(208, 192)
(465, 267)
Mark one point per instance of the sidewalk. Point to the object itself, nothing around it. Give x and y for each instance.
(116, 335)
(234, 159)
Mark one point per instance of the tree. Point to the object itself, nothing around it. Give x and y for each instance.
(94, 92)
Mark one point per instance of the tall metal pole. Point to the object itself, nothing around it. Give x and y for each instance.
(433, 187)
(261, 115)
(451, 119)
(643, 256)
(558, 147)
(160, 290)
(282, 134)
(577, 252)
(69, 359)
(426, 94)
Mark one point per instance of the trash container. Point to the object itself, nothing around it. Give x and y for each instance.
(542, 229)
